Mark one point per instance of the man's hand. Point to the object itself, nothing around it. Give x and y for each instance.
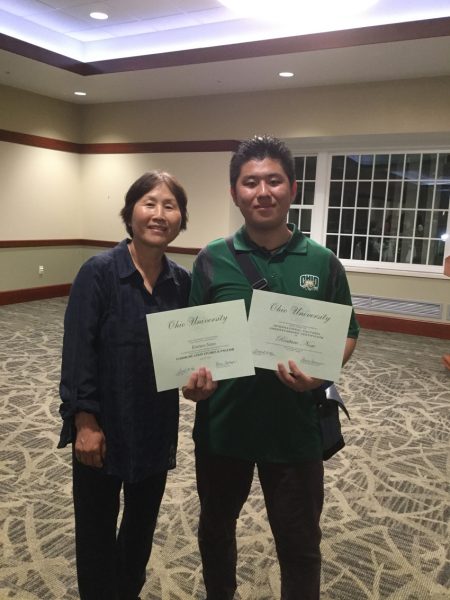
(90, 446)
(296, 379)
(199, 386)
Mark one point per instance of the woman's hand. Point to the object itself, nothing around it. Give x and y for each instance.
(90, 445)
(296, 379)
(199, 386)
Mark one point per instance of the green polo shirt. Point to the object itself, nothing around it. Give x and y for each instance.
(258, 418)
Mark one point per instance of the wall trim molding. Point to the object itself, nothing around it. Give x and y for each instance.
(362, 36)
(84, 243)
(47, 57)
(375, 322)
(160, 147)
(42, 243)
(38, 293)
(163, 147)
(410, 326)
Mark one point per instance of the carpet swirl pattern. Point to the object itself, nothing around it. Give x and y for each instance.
(387, 508)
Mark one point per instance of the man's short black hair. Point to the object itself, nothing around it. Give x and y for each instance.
(260, 147)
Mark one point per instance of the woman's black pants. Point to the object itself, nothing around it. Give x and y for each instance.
(111, 564)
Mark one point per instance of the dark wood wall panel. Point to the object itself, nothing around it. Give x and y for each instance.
(160, 147)
(81, 242)
(410, 326)
(376, 322)
(47, 57)
(39, 293)
(362, 36)
(38, 141)
(378, 34)
(41, 243)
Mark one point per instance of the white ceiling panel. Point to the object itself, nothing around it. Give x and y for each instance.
(144, 28)
(23, 7)
(55, 21)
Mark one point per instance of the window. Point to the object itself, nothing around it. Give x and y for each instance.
(390, 208)
(377, 209)
(300, 212)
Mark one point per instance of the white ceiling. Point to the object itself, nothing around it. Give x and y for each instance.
(149, 27)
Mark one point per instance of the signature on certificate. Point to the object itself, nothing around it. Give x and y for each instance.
(225, 364)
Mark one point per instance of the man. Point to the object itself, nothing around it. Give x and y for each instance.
(269, 419)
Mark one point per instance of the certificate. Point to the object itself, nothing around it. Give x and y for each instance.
(214, 336)
(310, 332)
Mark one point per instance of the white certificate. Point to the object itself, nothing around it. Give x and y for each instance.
(310, 332)
(215, 336)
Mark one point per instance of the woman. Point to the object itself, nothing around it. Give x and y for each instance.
(124, 433)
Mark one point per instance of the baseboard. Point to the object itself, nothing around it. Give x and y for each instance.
(39, 293)
(410, 326)
(376, 322)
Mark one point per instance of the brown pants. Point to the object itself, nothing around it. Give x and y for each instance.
(293, 495)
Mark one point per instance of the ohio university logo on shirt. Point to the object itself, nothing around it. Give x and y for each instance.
(310, 283)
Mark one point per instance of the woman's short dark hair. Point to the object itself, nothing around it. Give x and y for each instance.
(146, 183)
(260, 147)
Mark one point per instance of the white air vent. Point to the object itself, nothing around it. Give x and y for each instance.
(429, 310)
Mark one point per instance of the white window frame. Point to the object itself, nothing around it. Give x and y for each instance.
(320, 212)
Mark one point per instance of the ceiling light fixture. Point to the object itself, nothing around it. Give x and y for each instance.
(284, 10)
(101, 16)
(80, 93)
(286, 74)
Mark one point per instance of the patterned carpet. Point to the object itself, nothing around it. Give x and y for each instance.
(387, 508)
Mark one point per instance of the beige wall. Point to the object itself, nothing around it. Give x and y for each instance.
(408, 106)
(30, 113)
(39, 193)
(106, 178)
(52, 194)
(19, 266)
(420, 289)
(404, 107)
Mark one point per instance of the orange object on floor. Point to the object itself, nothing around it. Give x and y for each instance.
(446, 360)
(447, 266)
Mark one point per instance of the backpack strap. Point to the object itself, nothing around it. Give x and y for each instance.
(248, 267)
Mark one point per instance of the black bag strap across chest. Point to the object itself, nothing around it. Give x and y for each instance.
(248, 267)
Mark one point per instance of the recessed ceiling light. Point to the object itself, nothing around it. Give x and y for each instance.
(80, 93)
(286, 74)
(98, 15)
